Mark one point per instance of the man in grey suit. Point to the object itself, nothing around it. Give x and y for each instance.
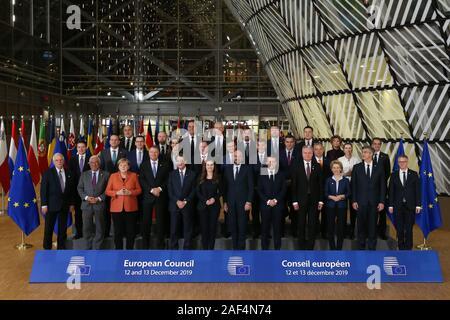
(91, 189)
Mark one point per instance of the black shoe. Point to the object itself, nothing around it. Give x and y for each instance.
(383, 237)
(351, 236)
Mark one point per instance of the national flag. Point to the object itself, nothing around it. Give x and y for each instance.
(22, 202)
(42, 148)
(149, 137)
(99, 145)
(109, 134)
(60, 146)
(23, 132)
(4, 165)
(157, 130)
(164, 126)
(430, 217)
(12, 147)
(71, 143)
(90, 138)
(141, 126)
(32, 156)
(51, 140)
(81, 136)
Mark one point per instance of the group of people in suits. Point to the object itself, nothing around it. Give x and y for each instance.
(184, 182)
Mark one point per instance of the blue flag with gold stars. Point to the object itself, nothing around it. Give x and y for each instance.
(430, 216)
(22, 203)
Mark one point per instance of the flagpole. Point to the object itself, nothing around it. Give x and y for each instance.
(2, 210)
(23, 245)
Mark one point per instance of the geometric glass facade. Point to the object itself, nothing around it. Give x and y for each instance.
(360, 69)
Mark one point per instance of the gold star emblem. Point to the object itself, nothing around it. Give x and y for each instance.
(26, 205)
(9, 199)
(430, 174)
(430, 206)
(28, 170)
(34, 200)
(16, 204)
(20, 168)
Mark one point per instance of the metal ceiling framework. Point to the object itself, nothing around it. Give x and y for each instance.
(360, 69)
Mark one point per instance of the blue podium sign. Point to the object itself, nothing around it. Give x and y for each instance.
(235, 266)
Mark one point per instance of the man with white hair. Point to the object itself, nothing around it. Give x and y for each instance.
(57, 199)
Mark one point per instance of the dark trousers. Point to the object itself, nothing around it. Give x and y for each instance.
(336, 223)
(146, 223)
(256, 219)
(50, 220)
(124, 225)
(381, 227)
(322, 226)
(162, 222)
(78, 220)
(271, 217)
(307, 219)
(208, 226)
(237, 224)
(367, 226)
(107, 217)
(353, 215)
(404, 220)
(184, 216)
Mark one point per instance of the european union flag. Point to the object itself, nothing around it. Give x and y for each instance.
(22, 202)
(395, 168)
(107, 145)
(430, 216)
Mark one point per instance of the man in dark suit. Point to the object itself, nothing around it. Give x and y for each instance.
(181, 188)
(307, 197)
(218, 141)
(164, 149)
(324, 163)
(274, 144)
(153, 177)
(272, 191)
(259, 169)
(77, 165)
(308, 140)
(248, 147)
(404, 202)
(190, 144)
(108, 163)
(238, 197)
(289, 160)
(381, 159)
(368, 196)
(128, 141)
(57, 199)
(138, 155)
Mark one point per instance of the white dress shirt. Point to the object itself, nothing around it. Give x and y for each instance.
(348, 165)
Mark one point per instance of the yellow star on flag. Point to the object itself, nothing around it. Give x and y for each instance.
(430, 174)
(16, 204)
(430, 206)
(34, 200)
(21, 169)
(26, 205)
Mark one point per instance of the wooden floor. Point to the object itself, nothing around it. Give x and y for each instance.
(15, 268)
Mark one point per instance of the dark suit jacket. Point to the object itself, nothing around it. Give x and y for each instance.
(204, 194)
(326, 170)
(300, 145)
(268, 190)
(367, 191)
(411, 192)
(240, 190)
(176, 192)
(148, 181)
(51, 194)
(122, 144)
(221, 147)
(166, 157)
(295, 160)
(132, 157)
(106, 163)
(252, 153)
(300, 184)
(343, 189)
(385, 162)
(269, 146)
(74, 168)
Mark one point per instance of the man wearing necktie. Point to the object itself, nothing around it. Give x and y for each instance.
(108, 162)
(164, 148)
(274, 144)
(153, 177)
(57, 201)
(128, 141)
(77, 165)
(308, 140)
(91, 189)
(138, 155)
(368, 196)
(307, 198)
(324, 163)
(381, 159)
(181, 188)
(404, 202)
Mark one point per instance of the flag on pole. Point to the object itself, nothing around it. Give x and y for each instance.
(23, 132)
(4, 165)
(42, 148)
(51, 140)
(430, 217)
(141, 126)
(90, 138)
(149, 137)
(12, 148)
(32, 156)
(109, 134)
(71, 145)
(60, 146)
(22, 202)
(81, 136)
(395, 168)
(99, 140)
(164, 126)
(157, 130)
